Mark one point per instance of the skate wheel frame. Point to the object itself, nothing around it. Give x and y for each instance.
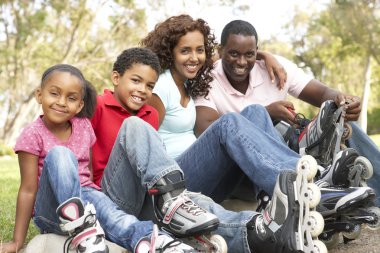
(314, 194)
(332, 242)
(376, 212)
(347, 132)
(366, 167)
(307, 165)
(353, 234)
(319, 247)
(311, 223)
(219, 243)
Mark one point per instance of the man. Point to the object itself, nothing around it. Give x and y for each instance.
(240, 80)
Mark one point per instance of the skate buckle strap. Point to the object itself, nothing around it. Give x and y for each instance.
(271, 224)
(185, 202)
(162, 189)
(72, 225)
(85, 234)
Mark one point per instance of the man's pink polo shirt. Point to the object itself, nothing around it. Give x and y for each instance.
(224, 98)
(108, 118)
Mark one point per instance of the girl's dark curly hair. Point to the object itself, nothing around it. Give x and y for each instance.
(165, 37)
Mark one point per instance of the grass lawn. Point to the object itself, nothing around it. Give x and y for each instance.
(9, 183)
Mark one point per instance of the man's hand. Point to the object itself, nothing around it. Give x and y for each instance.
(352, 105)
(282, 110)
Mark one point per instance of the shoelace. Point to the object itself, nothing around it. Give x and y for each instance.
(188, 204)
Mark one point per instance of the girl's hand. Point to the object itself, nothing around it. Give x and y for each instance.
(9, 247)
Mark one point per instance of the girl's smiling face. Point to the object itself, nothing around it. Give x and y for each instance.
(61, 97)
(189, 56)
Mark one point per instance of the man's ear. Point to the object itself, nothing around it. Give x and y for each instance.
(115, 78)
(38, 95)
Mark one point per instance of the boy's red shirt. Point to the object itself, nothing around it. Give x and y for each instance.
(108, 118)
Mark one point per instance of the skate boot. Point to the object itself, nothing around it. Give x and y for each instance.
(322, 137)
(176, 212)
(347, 169)
(161, 244)
(85, 233)
(288, 223)
(345, 210)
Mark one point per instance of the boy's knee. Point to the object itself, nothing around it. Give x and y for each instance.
(60, 153)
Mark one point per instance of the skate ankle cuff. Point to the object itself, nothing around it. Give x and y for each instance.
(88, 219)
(162, 189)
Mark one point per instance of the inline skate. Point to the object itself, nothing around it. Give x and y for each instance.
(344, 211)
(85, 233)
(288, 222)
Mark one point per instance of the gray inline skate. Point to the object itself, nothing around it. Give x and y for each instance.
(289, 222)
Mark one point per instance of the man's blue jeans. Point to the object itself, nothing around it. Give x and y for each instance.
(367, 148)
(237, 145)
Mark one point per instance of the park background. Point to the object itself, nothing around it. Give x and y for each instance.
(336, 41)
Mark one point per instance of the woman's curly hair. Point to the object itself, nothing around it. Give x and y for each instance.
(165, 37)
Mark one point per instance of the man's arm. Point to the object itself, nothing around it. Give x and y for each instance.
(205, 117)
(315, 93)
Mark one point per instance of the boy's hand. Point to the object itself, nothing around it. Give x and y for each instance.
(9, 247)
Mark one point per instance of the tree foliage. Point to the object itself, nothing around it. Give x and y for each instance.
(37, 34)
(339, 45)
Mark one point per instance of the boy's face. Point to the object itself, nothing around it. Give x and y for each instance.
(239, 57)
(133, 89)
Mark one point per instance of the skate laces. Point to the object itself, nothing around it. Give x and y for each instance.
(183, 200)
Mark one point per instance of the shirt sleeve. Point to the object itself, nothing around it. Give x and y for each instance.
(29, 141)
(91, 132)
(161, 89)
(297, 78)
(206, 101)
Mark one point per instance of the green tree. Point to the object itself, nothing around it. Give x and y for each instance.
(37, 34)
(340, 47)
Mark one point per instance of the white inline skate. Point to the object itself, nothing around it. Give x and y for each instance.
(85, 233)
(289, 223)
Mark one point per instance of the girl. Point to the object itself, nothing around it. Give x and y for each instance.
(54, 159)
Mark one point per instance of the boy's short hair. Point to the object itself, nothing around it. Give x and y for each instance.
(136, 55)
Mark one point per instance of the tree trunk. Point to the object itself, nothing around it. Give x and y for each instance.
(366, 93)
